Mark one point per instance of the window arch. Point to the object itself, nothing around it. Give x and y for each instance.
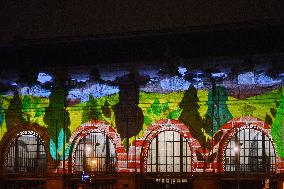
(26, 154)
(95, 153)
(169, 152)
(250, 150)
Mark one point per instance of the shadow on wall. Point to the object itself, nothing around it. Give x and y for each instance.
(92, 110)
(13, 114)
(277, 130)
(129, 116)
(216, 115)
(57, 119)
(2, 114)
(191, 117)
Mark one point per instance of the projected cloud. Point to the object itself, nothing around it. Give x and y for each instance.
(44, 77)
(174, 84)
(35, 90)
(250, 78)
(96, 90)
(182, 71)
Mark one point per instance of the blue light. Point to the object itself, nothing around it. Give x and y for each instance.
(82, 80)
(174, 84)
(281, 76)
(80, 77)
(251, 78)
(44, 77)
(182, 71)
(97, 90)
(35, 90)
(246, 78)
(264, 79)
(197, 79)
(199, 73)
(14, 84)
(219, 75)
(85, 177)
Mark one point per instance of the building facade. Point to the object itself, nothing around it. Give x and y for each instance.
(174, 123)
(132, 95)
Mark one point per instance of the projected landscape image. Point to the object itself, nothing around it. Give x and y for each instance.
(203, 100)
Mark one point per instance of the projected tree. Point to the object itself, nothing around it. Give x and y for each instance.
(106, 110)
(92, 110)
(57, 118)
(31, 108)
(191, 117)
(14, 114)
(217, 108)
(277, 130)
(128, 115)
(2, 115)
(26, 107)
(158, 111)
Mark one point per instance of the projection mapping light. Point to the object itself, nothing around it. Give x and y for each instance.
(85, 177)
(44, 78)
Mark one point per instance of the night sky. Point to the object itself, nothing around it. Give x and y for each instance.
(41, 19)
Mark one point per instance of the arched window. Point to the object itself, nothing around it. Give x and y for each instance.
(26, 154)
(250, 151)
(169, 152)
(95, 153)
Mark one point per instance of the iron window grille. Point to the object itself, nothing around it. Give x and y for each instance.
(250, 151)
(95, 153)
(26, 155)
(169, 152)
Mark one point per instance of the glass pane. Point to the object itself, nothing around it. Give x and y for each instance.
(28, 150)
(169, 153)
(95, 153)
(246, 151)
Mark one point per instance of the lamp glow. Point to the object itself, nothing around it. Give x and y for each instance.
(236, 149)
(94, 162)
(88, 148)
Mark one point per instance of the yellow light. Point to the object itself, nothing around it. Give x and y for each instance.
(94, 161)
(236, 149)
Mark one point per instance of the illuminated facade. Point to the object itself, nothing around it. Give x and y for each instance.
(171, 123)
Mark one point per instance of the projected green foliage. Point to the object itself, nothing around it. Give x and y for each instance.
(81, 113)
(1, 112)
(159, 111)
(92, 110)
(257, 106)
(190, 116)
(201, 110)
(14, 114)
(217, 108)
(32, 109)
(278, 129)
(198, 126)
(59, 150)
(56, 116)
(247, 110)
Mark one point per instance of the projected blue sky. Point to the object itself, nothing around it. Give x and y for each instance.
(250, 78)
(157, 83)
(35, 90)
(96, 90)
(44, 77)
